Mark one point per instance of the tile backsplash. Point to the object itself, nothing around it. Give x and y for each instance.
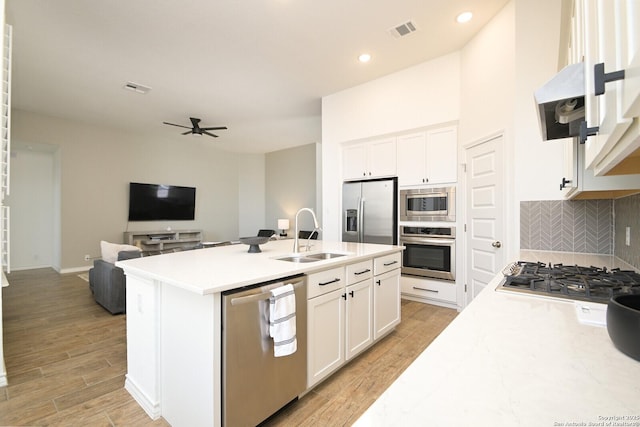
(584, 226)
(627, 214)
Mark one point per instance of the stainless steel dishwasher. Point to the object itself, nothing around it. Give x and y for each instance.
(255, 383)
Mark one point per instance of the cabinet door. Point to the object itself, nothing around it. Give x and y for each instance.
(629, 13)
(354, 162)
(382, 158)
(603, 40)
(325, 335)
(442, 155)
(386, 302)
(412, 156)
(359, 315)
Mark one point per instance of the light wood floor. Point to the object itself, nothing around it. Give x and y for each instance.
(66, 360)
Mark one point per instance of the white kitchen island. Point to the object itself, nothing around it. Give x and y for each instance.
(516, 360)
(174, 319)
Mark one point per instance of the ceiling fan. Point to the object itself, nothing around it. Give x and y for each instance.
(195, 128)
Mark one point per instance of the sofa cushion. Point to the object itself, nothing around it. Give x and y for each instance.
(110, 250)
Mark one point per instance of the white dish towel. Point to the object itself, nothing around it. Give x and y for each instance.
(282, 320)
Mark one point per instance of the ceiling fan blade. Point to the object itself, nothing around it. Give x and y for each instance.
(215, 128)
(209, 133)
(173, 124)
(187, 132)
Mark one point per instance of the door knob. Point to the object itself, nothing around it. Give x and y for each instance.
(496, 244)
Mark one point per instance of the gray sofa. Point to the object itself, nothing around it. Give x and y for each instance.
(107, 283)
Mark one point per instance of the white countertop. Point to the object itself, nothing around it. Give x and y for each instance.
(511, 360)
(217, 269)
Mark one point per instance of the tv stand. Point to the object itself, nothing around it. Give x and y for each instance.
(163, 239)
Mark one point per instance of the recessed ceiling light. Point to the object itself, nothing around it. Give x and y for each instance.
(464, 17)
(365, 57)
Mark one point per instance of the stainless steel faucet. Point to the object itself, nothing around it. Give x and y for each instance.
(315, 225)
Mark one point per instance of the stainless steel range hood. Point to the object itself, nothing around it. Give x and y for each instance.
(561, 103)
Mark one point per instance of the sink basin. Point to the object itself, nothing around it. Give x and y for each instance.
(298, 259)
(324, 255)
(311, 257)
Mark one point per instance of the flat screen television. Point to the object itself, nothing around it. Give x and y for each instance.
(158, 202)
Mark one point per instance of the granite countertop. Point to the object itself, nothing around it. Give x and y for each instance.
(217, 269)
(511, 359)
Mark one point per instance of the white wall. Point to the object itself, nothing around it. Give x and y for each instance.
(538, 164)
(96, 164)
(422, 95)
(293, 169)
(488, 90)
(252, 198)
(93, 166)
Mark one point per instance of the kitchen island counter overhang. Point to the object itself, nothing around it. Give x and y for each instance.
(218, 269)
(174, 318)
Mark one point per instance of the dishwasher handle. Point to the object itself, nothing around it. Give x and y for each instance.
(262, 295)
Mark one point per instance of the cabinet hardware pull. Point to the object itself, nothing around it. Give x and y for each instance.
(329, 282)
(351, 293)
(378, 282)
(344, 296)
(425, 289)
(600, 77)
(586, 132)
(357, 273)
(390, 263)
(565, 181)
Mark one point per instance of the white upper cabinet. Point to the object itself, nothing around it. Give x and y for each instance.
(372, 159)
(611, 40)
(428, 157)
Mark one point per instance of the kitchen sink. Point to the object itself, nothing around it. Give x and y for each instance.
(298, 259)
(325, 255)
(311, 257)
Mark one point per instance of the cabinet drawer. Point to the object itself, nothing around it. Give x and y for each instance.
(359, 271)
(429, 289)
(325, 281)
(387, 263)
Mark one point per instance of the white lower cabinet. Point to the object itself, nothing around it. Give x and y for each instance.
(438, 291)
(386, 303)
(345, 317)
(359, 316)
(325, 335)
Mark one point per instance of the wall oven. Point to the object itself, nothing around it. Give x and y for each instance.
(428, 204)
(429, 251)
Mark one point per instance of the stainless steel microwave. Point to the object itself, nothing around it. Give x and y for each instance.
(428, 204)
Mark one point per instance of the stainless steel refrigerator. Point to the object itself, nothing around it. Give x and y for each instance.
(370, 211)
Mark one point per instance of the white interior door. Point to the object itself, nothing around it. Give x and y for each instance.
(485, 214)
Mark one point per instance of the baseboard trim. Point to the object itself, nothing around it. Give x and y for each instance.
(75, 270)
(152, 409)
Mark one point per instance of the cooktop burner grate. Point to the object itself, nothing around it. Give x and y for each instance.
(570, 281)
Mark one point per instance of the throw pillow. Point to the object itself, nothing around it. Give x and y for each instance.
(110, 250)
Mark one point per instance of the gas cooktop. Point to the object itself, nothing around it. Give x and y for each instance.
(594, 284)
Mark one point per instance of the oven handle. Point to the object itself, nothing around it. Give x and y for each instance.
(442, 241)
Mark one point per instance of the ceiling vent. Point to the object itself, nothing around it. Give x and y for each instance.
(135, 87)
(403, 30)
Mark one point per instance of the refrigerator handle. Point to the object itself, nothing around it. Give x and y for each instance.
(360, 219)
